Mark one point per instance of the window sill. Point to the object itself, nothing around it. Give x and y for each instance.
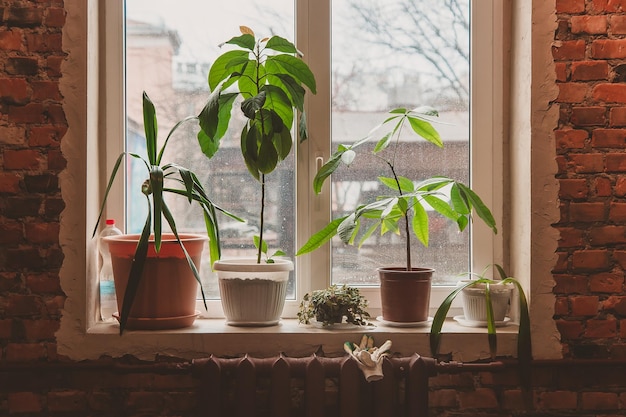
(214, 336)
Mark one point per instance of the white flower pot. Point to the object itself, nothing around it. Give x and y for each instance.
(474, 301)
(253, 294)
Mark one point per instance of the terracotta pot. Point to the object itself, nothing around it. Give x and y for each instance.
(405, 295)
(253, 294)
(167, 292)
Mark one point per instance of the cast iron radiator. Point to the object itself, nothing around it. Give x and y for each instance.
(314, 386)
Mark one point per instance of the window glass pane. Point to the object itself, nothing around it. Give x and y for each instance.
(170, 46)
(399, 53)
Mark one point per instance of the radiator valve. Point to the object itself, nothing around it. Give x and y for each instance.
(369, 358)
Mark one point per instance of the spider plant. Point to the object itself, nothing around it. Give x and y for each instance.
(153, 189)
(524, 346)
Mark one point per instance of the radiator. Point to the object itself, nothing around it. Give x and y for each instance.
(313, 386)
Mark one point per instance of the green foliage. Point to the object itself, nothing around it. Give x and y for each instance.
(269, 78)
(153, 188)
(524, 351)
(450, 198)
(331, 305)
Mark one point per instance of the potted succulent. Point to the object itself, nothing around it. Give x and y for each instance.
(156, 273)
(405, 290)
(489, 288)
(267, 78)
(334, 305)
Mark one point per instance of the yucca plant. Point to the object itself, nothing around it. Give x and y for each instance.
(405, 207)
(524, 346)
(154, 188)
(269, 77)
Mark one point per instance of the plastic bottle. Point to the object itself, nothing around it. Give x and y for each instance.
(108, 301)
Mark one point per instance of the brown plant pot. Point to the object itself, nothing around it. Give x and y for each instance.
(405, 295)
(167, 292)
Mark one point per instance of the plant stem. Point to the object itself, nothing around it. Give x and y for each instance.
(406, 219)
(258, 257)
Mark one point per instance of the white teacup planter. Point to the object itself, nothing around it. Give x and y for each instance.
(474, 301)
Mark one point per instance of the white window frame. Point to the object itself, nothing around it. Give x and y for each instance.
(313, 211)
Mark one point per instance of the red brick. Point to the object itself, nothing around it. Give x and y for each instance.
(11, 40)
(571, 92)
(608, 138)
(587, 163)
(44, 42)
(14, 90)
(570, 138)
(608, 48)
(24, 402)
(19, 65)
(615, 304)
(609, 92)
(587, 212)
(561, 263)
(570, 6)
(620, 187)
(55, 114)
(570, 284)
(55, 305)
(67, 401)
(584, 305)
(9, 183)
(594, 25)
(603, 187)
(616, 5)
(617, 212)
(560, 68)
(41, 183)
(55, 17)
(53, 65)
(24, 16)
(617, 24)
(620, 257)
(570, 237)
(557, 400)
(56, 160)
(597, 6)
(43, 283)
(561, 164)
(46, 135)
(442, 398)
(569, 50)
(6, 329)
(606, 282)
(601, 328)
(22, 159)
(607, 234)
(589, 260)
(30, 113)
(573, 188)
(569, 329)
(616, 162)
(588, 116)
(617, 116)
(24, 305)
(561, 306)
(46, 90)
(480, 398)
(24, 352)
(11, 233)
(42, 232)
(13, 135)
(589, 70)
(40, 329)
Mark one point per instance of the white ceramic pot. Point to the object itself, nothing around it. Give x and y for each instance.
(474, 301)
(253, 294)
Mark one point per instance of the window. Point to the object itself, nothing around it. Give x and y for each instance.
(365, 55)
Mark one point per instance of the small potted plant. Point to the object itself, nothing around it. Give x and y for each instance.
(268, 77)
(486, 286)
(156, 273)
(405, 290)
(333, 306)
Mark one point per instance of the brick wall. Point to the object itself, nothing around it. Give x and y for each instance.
(590, 307)
(589, 57)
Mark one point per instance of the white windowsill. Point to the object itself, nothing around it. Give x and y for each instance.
(214, 336)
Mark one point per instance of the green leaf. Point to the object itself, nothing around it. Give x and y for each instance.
(441, 206)
(116, 167)
(223, 67)
(346, 228)
(406, 185)
(286, 83)
(249, 150)
(156, 183)
(252, 105)
(369, 232)
(425, 130)
(321, 237)
(281, 44)
(258, 243)
(214, 119)
(245, 41)
(419, 224)
(383, 143)
(325, 171)
(459, 201)
(150, 128)
(296, 68)
(425, 110)
(481, 209)
(277, 101)
(283, 143)
(303, 132)
(268, 156)
(248, 85)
